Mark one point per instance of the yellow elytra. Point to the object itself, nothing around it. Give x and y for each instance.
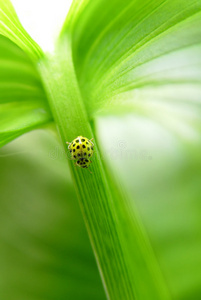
(81, 147)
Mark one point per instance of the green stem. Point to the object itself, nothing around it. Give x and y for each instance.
(120, 247)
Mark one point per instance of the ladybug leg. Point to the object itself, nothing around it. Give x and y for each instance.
(89, 171)
(68, 144)
(91, 141)
(88, 166)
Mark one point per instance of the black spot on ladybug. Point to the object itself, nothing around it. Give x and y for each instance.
(78, 154)
(73, 145)
(83, 140)
(70, 151)
(77, 141)
(73, 150)
(78, 147)
(84, 146)
(87, 143)
(75, 156)
(92, 148)
(86, 160)
(89, 154)
(85, 153)
(88, 148)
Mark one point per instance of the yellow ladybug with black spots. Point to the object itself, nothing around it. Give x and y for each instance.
(81, 149)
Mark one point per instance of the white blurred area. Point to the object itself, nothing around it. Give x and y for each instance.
(42, 19)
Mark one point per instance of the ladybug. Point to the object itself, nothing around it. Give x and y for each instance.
(81, 149)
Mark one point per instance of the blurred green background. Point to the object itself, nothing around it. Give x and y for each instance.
(45, 252)
(162, 172)
(44, 249)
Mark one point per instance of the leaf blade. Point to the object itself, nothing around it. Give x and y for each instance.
(111, 55)
(11, 28)
(22, 99)
(116, 235)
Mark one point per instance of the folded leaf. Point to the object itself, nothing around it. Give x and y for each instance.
(22, 99)
(143, 57)
(11, 28)
(134, 46)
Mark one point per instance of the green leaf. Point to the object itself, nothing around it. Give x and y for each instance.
(11, 28)
(45, 252)
(22, 99)
(144, 57)
(125, 258)
(134, 48)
